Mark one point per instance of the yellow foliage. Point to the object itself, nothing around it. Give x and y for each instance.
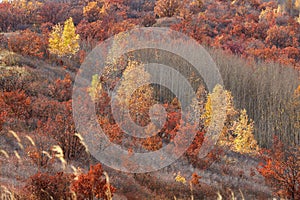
(64, 41)
(95, 87)
(55, 43)
(70, 38)
(244, 141)
(236, 133)
(207, 116)
(298, 18)
(135, 93)
(230, 113)
(92, 11)
(297, 4)
(28, 5)
(208, 111)
(132, 80)
(180, 178)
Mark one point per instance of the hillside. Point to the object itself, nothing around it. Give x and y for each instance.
(166, 99)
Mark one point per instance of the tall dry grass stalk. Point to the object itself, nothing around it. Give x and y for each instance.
(59, 154)
(30, 140)
(15, 135)
(4, 153)
(108, 192)
(5, 194)
(232, 195)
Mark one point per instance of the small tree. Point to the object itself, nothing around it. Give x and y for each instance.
(141, 99)
(55, 43)
(226, 137)
(281, 169)
(93, 184)
(64, 41)
(244, 141)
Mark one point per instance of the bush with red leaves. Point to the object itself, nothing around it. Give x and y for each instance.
(93, 184)
(47, 187)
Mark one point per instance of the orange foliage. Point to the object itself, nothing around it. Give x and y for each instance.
(281, 169)
(62, 129)
(112, 131)
(281, 37)
(18, 104)
(230, 26)
(3, 113)
(152, 143)
(28, 43)
(53, 12)
(93, 184)
(46, 186)
(62, 89)
(92, 12)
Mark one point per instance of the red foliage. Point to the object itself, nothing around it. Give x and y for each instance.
(12, 17)
(93, 184)
(44, 108)
(3, 113)
(281, 37)
(281, 169)
(112, 131)
(102, 29)
(62, 89)
(92, 31)
(5, 16)
(53, 12)
(18, 104)
(3, 41)
(81, 55)
(29, 43)
(234, 28)
(148, 20)
(45, 186)
(46, 28)
(62, 129)
(115, 10)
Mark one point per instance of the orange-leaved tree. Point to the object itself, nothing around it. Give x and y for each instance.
(281, 169)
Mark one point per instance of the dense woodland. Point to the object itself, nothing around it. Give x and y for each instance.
(256, 47)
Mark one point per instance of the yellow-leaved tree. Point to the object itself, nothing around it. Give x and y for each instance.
(55, 43)
(141, 99)
(244, 141)
(95, 87)
(237, 131)
(64, 41)
(226, 137)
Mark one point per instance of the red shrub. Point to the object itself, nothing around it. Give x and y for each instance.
(93, 184)
(29, 43)
(47, 187)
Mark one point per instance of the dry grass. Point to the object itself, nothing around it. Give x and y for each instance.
(6, 194)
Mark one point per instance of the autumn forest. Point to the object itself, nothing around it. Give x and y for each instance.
(149, 99)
